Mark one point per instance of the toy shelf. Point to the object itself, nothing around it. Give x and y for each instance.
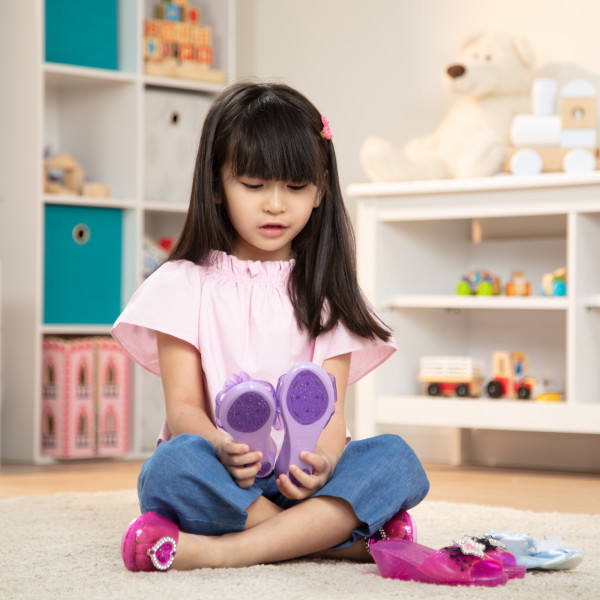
(152, 81)
(104, 117)
(89, 201)
(475, 302)
(73, 76)
(76, 330)
(513, 415)
(417, 239)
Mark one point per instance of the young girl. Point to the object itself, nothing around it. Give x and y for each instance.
(262, 278)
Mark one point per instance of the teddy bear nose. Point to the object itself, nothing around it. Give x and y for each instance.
(455, 71)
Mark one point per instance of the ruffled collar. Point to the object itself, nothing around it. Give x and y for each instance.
(255, 269)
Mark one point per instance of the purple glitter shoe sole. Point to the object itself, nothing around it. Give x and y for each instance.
(247, 412)
(306, 395)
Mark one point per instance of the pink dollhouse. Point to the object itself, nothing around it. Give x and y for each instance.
(85, 398)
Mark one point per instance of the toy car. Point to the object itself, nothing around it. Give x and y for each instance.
(480, 283)
(507, 380)
(451, 375)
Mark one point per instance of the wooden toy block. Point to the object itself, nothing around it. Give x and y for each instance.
(172, 12)
(192, 15)
(152, 27)
(186, 52)
(201, 35)
(182, 33)
(578, 113)
(578, 138)
(168, 32)
(152, 48)
(204, 55)
(165, 50)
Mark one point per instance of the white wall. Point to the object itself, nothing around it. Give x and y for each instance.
(376, 68)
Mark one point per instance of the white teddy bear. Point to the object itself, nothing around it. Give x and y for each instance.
(492, 77)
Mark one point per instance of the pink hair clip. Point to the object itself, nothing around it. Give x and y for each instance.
(326, 133)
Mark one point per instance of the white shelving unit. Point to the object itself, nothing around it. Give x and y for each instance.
(415, 241)
(97, 116)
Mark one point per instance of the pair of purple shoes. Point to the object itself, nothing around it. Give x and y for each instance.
(303, 403)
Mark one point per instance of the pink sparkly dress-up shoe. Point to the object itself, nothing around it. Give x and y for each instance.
(307, 398)
(400, 527)
(466, 563)
(247, 409)
(150, 543)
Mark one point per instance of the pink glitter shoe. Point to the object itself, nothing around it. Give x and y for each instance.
(400, 527)
(306, 396)
(496, 550)
(464, 564)
(247, 409)
(149, 543)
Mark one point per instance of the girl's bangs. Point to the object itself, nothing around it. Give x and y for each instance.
(272, 145)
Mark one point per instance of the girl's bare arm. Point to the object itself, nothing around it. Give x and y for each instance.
(181, 374)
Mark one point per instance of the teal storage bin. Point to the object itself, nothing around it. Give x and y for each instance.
(82, 32)
(82, 265)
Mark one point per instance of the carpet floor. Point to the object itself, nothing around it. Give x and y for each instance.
(67, 546)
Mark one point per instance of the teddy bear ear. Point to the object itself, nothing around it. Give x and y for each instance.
(524, 51)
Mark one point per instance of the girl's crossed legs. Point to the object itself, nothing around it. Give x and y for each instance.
(222, 525)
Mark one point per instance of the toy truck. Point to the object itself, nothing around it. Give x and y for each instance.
(451, 375)
(507, 377)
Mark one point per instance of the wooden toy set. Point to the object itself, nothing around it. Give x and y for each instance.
(462, 376)
(483, 283)
(178, 45)
(561, 133)
(63, 175)
(85, 398)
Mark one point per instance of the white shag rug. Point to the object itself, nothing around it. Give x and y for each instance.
(67, 546)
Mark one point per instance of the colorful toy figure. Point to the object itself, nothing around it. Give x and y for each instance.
(555, 283)
(518, 285)
(478, 282)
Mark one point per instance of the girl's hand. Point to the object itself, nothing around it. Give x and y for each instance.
(322, 470)
(240, 463)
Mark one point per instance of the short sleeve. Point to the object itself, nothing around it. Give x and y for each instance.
(367, 354)
(168, 301)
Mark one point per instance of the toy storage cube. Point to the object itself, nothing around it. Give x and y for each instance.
(82, 264)
(113, 385)
(68, 406)
(173, 126)
(82, 33)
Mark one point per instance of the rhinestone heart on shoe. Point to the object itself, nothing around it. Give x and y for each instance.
(162, 554)
(150, 543)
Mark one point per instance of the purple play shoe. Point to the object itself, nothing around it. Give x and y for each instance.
(150, 543)
(247, 409)
(306, 396)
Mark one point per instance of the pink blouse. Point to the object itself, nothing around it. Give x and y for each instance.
(238, 315)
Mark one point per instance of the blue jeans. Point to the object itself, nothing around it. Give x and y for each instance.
(185, 482)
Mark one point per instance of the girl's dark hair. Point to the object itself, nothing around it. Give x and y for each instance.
(272, 132)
